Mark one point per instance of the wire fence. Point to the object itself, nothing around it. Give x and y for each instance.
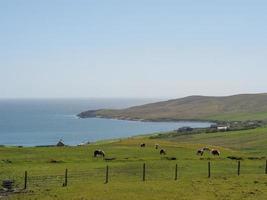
(135, 172)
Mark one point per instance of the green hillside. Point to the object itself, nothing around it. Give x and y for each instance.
(251, 141)
(237, 107)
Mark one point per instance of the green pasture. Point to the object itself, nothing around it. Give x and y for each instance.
(86, 175)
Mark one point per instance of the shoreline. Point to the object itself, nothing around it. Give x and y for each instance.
(152, 120)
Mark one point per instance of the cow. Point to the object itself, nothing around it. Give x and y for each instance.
(162, 152)
(157, 146)
(215, 152)
(98, 153)
(200, 152)
(143, 145)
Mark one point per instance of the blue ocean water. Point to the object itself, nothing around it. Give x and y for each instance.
(31, 122)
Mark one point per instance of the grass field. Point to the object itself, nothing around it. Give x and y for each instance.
(86, 175)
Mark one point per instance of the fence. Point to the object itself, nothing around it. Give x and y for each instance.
(141, 172)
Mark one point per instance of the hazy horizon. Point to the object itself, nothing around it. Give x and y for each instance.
(118, 98)
(132, 49)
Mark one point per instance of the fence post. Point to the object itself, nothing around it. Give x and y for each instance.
(25, 180)
(144, 172)
(176, 172)
(107, 174)
(266, 167)
(65, 184)
(238, 168)
(209, 169)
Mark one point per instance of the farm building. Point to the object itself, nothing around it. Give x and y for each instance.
(60, 143)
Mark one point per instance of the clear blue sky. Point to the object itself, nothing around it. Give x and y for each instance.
(137, 48)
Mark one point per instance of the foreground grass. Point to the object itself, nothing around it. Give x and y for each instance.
(46, 167)
(251, 187)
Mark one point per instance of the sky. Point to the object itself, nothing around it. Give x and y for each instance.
(132, 49)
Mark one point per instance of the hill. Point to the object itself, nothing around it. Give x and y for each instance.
(237, 107)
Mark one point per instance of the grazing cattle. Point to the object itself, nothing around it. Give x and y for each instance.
(99, 152)
(143, 145)
(162, 152)
(157, 146)
(200, 152)
(215, 152)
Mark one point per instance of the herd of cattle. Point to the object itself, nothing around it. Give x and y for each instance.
(214, 152)
(157, 146)
(200, 152)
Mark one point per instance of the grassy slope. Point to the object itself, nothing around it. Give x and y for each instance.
(250, 141)
(87, 174)
(237, 107)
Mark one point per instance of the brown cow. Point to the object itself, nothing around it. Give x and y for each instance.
(215, 152)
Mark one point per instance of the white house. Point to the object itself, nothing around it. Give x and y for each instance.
(223, 128)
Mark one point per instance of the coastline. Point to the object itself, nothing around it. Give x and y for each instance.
(91, 115)
(150, 120)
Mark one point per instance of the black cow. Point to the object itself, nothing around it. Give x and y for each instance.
(143, 145)
(200, 152)
(162, 152)
(99, 152)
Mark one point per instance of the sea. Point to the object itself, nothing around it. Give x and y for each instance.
(34, 122)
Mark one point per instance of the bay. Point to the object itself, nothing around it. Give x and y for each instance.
(31, 122)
